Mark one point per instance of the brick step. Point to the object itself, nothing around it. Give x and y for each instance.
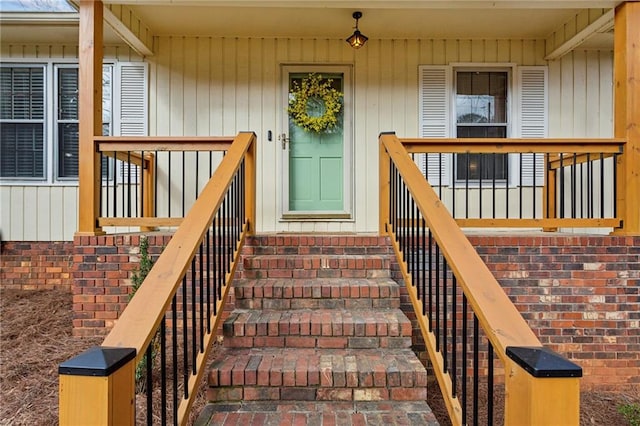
(317, 375)
(316, 244)
(320, 328)
(316, 266)
(329, 293)
(389, 413)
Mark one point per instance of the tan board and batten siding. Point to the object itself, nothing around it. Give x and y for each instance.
(219, 86)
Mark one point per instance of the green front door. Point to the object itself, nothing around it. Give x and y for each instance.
(316, 158)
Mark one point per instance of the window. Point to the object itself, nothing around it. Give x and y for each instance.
(67, 119)
(22, 122)
(481, 112)
(39, 117)
(526, 117)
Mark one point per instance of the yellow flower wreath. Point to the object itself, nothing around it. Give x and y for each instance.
(314, 92)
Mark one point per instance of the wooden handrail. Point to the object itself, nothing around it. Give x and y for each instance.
(498, 317)
(504, 324)
(513, 145)
(142, 317)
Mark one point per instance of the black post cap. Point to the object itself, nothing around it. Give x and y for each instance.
(98, 361)
(542, 362)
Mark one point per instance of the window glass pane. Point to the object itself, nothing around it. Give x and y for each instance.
(481, 97)
(22, 93)
(485, 166)
(68, 94)
(22, 147)
(68, 150)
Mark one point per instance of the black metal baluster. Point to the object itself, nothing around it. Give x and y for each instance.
(185, 339)
(489, 383)
(148, 356)
(174, 354)
(141, 185)
(115, 188)
(615, 192)
(561, 178)
(454, 335)
(201, 296)
(573, 187)
(437, 283)
(476, 362)
(431, 278)
(169, 184)
(465, 378)
(194, 340)
(444, 315)
(163, 370)
(533, 187)
(521, 187)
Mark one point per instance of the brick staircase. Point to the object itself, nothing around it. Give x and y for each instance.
(317, 337)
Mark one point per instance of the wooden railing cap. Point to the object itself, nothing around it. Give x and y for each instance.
(542, 362)
(99, 361)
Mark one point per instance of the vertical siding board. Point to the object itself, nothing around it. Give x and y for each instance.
(269, 152)
(465, 51)
(43, 208)
(566, 98)
(478, 52)
(439, 52)
(606, 94)
(189, 86)
(491, 51)
(6, 233)
(593, 93)
(30, 213)
(504, 51)
(70, 201)
(579, 93)
(216, 117)
(57, 210)
(229, 85)
(202, 92)
(555, 96)
(242, 86)
(176, 87)
(17, 212)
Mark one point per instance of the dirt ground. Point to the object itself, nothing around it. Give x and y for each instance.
(35, 336)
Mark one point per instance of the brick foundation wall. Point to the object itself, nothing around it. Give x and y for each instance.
(102, 269)
(579, 294)
(36, 265)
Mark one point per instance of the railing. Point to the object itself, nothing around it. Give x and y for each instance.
(168, 327)
(475, 337)
(526, 183)
(154, 181)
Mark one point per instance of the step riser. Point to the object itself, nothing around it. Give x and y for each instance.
(249, 393)
(319, 342)
(286, 304)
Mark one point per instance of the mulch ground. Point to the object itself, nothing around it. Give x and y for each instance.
(35, 336)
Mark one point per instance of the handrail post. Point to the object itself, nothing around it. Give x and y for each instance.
(97, 387)
(541, 388)
(90, 115)
(385, 182)
(549, 209)
(250, 185)
(627, 110)
(148, 167)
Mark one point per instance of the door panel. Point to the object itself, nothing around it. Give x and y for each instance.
(316, 166)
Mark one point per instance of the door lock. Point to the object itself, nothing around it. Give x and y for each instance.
(284, 139)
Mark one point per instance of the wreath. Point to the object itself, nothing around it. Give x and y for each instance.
(314, 105)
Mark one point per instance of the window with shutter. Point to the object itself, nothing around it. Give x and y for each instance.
(532, 111)
(22, 122)
(131, 112)
(434, 108)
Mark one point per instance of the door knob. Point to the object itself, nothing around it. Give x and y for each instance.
(284, 139)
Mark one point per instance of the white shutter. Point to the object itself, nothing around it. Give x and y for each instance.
(131, 106)
(434, 106)
(532, 118)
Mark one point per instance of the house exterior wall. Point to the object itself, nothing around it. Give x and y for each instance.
(45, 211)
(213, 86)
(220, 86)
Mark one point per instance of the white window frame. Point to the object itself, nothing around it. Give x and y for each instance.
(528, 109)
(510, 70)
(51, 145)
(44, 120)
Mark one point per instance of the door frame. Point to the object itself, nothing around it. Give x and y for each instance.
(348, 141)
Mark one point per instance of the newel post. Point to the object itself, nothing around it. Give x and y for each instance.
(97, 387)
(90, 114)
(627, 114)
(542, 388)
(385, 183)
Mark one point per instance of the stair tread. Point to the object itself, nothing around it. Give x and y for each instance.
(327, 322)
(311, 413)
(293, 367)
